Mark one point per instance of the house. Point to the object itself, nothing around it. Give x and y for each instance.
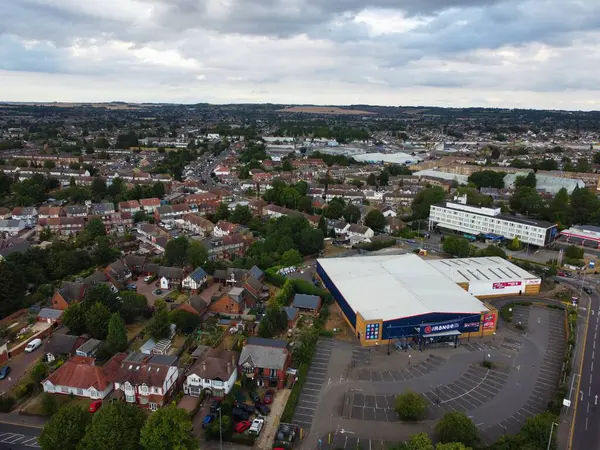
(224, 228)
(68, 294)
(62, 345)
(361, 231)
(66, 225)
(76, 211)
(307, 303)
(25, 213)
(198, 303)
(149, 205)
(131, 206)
(102, 209)
(195, 280)
(5, 213)
(118, 273)
(135, 263)
(387, 211)
(197, 225)
(14, 247)
(80, 376)
(256, 273)
(256, 289)
(89, 348)
(50, 315)
(231, 302)
(11, 226)
(293, 314)
(215, 373)
(394, 224)
(146, 380)
(169, 277)
(164, 213)
(226, 247)
(265, 361)
(340, 227)
(45, 212)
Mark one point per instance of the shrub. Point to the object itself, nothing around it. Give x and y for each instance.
(457, 427)
(290, 406)
(487, 364)
(49, 404)
(411, 406)
(6, 403)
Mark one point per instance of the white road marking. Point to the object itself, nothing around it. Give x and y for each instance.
(589, 392)
(586, 423)
(471, 390)
(588, 407)
(590, 380)
(592, 369)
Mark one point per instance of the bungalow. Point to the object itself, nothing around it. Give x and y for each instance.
(68, 294)
(62, 345)
(80, 376)
(360, 231)
(307, 303)
(170, 277)
(230, 302)
(215, 373)
(265, 361)
(146, 380)
(195, 280)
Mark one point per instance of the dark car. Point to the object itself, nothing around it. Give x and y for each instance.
(240, 414)
(248, 408)
(263, 409)
(254, 397)
(268, 398)
(588, 290)
(4, 371)
(215, 405)
(208, 420)
(169, 299)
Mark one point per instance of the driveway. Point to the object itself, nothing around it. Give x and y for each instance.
(147, 290)
(19, 365)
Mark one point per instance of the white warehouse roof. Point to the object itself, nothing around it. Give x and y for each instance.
(394, 158)
(485, 269)
(396, 286)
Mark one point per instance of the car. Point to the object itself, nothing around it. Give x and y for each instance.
(240, 414)
(158, 292)
(568, 274)
(4, 371)
(268, 398)
(33, 345)
(208, 419)
(263, 409)
(242, 426)
(215, 405)
(95, 406)
(132, 287)
(148, 279)
(254, 397)
(256, 426)
(169, 299)
(588, 290)
(562, 274)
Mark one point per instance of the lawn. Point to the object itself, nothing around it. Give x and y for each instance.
(34, 406)
(179, 297)
(135, 328)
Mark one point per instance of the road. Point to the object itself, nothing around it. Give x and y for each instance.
(18, 437)
(18, 367)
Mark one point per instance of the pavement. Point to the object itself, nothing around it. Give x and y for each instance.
(18, 437)
(19, 365)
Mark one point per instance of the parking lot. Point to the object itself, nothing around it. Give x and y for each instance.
(17, 440)
(408, 373)
(346, 440)
(507, 346)
(309, 396)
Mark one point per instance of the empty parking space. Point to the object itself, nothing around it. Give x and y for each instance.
(342, 440)
(311, 389)
(18, 440)
(413, 371)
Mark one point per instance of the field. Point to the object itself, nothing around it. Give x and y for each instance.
(334, 110)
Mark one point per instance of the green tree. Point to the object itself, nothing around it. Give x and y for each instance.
(39, 372)
(420, 442)
(334, 210)
(196, 254)
(410, 406)
(596, 158)
(487, 178)
(241, 214)
(548, 164)
(65, 429)
(372, 180)
(74, 319)
(158, 189)
(95, 228)
(536, 431)
(286, 166)
(184, 320)
(101, 293)
(515, 244)
(222, 212)
(574, 252)
(451, 446)
(160, 325)
(49, 164)
(351, 213)
(424, 199)
(139, 216)
(45, 234)
(49, 404)
(116, 426)
(384, 177)
(244, 173)
(291, 258)
(456, 246)
(116, 339)
(529, 180)
(457, 427)
(133, 306)
(96, 320)
(375, 220)
(176, 251)
(311, 241)
(168, 428)
(492, 250)
(305, 204)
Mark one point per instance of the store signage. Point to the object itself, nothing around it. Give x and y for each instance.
(438, 328)
(471, 325)
(536, 281)
(489, 321)
(503, 284)
(372, 331)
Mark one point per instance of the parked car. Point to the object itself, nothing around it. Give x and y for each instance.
(208, 419)
(268, 398)
(263, 409)
(256, 426)
(169, 299)
(95, 406)
(4, 371)
(242, 426)
(215, 405)
(588, 290)
(254, 397)
(240, 414)
(132, 287)
(33, 345)
(568, 274)
(562, 274)
(248, 408)
(147, 279)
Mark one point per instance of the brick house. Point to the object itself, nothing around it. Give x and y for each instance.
(231, 302)
(266, 361)
(68, 294)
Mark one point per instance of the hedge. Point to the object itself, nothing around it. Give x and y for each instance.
(304, 287)
(290, 406)
(273, 277)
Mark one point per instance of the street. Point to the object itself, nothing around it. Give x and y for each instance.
(18, 437)
(18, 367)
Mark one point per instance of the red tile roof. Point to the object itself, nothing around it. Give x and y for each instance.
(82, 373)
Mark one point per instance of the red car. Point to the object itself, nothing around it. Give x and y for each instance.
(95, 406)
(562, 274)
(268, 398)
(242, 426)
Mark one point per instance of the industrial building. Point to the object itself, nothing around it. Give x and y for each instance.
(477, 221)
(406, 298)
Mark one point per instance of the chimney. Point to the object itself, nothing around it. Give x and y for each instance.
(228, 367)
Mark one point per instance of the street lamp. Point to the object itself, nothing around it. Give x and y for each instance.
(550, 438)
(220, 430)
(409, 356)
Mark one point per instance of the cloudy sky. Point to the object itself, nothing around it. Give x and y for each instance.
(506, 53)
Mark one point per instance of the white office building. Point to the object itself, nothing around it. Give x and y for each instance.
(490, 221)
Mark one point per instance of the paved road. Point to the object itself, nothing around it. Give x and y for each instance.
(18, 367)
(18, 437)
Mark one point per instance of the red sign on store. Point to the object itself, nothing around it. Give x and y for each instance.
(504, 284)
(488, 321)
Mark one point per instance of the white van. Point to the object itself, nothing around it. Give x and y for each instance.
(33, 345)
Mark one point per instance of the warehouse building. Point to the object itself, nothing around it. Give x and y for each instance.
(476, 221)
(408, 299)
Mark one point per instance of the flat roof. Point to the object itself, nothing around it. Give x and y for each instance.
(395, 286)
(469, 270)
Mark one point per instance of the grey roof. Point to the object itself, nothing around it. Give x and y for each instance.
(164, 360)
(197, 303)
(50, 313)
(95, 278)
(72, 291)
(10, 223)
(76, 209)
(61, 344)
(291, 312)
(266, 342)
(255, 272)
(166, 209)
(356, 228)
(263, 357)
(197, 274)
(100, 208)
(305, 301)
(15, 248)
(170, 272)
(89, 346)
(237, 294)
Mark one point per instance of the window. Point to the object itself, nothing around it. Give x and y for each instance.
(248, 369)
(273, 372)
(153, 406)
(130, 398)
(144, 389)
(64, 389)
(79, 391)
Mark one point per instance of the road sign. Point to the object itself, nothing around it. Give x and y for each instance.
(566, 402)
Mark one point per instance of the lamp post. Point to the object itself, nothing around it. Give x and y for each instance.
(550, 438)
(220, 430)
(409, 356)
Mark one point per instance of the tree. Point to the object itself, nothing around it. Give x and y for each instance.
(424, 199)
(133, 305)
(291, 258)
(286, 166)
(176, 251)
(158, 189)
(160, 325)
(184, 320)
(334, 210)
(103, 252)
(168, 428)
(196, 254)
(96, 321)
(457, 427)
(311, 241)
(411, 406)
(244, 173)
(116, 339)
(322, 225)
(596, 158)
(375, 220)
(222, 212)
(559, 209)
(101, 142)
(102, 294)
(139, 216)
(456, 246)
(95, 228)
(305, 204)
(574, 252)
(49, 404)
(548, 164)
(487, 178)
(351, 213)
(492, 250)
(115, 427)
(49, 164)
(515, 244)
(45, 234)
(420, 442)
(384, 177)
(241, 214)
(451, 446)
(74, 319)
(529, 180)
(372, 180)
(536, 431)
(65, 429)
